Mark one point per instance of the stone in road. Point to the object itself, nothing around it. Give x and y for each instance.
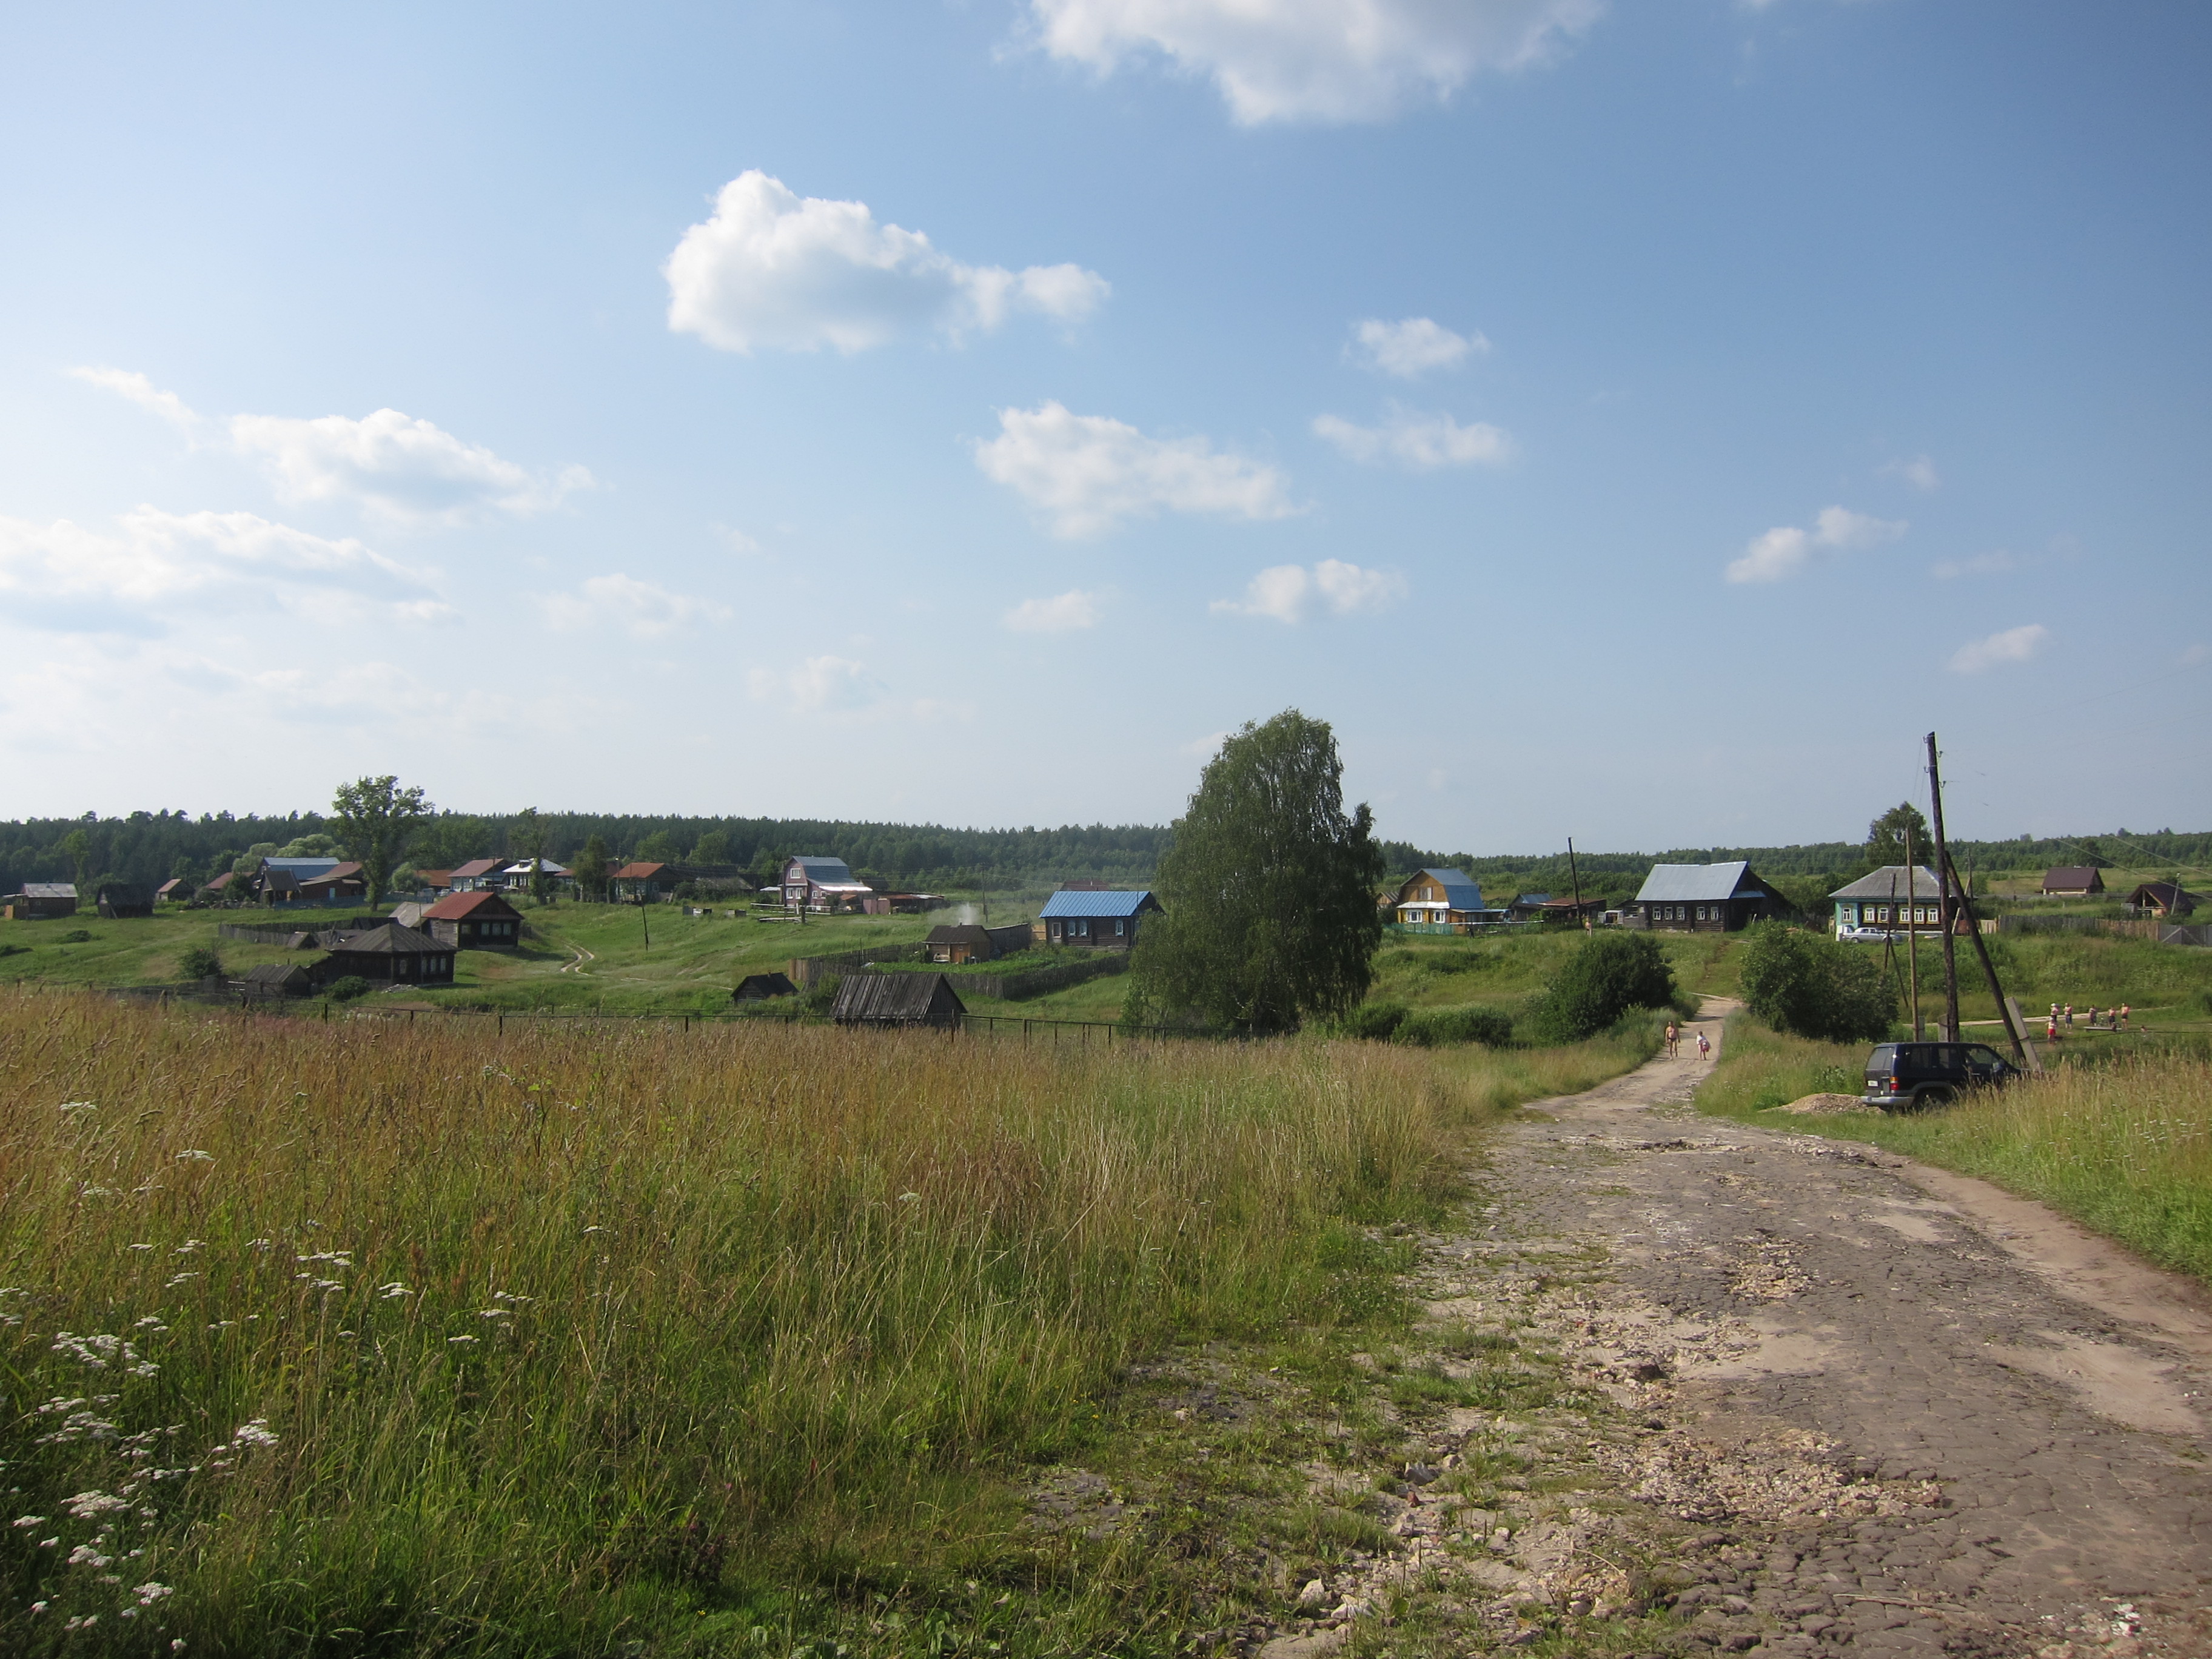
(2025, 1408)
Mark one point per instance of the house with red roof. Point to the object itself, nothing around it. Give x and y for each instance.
(475, 920)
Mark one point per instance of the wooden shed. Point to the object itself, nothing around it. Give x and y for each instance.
(2072, 881)
(278, 979)
(477, 921)
(759, 988)
(123, 899)
(40, 900)
(899, 999)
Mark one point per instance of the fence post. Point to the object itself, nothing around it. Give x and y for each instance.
(503, 1024)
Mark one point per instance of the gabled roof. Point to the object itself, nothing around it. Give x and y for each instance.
(1892, 882)
(390, 939)
(1699, 883)
(1461, 890)
(1098, 904)
(220, 881)
(522, 868)
(49, 889)
(434, 878)
(868, 999)
(638, 872)
(2165, 897)
(959, 933)
(472, 869)
(337, 872)
(302, 869)
(476, 906)
(172, 885)
(276, 973)
(2072, 875)
(821, 870)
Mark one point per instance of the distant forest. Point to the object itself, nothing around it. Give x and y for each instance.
(150, 848)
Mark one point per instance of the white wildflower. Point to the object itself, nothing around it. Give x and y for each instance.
(90, 1505)
(48, 1543)
(78, 1106)
(178, 1279)
(395, 1288)
(27, 1521)
(142, 1247)
(459, 1339)
(86, 1622)
(84, 1555)
(38, 1606)
(255, 1433)
(196, 1155)
(154, 1320)
(188, 1247)
(494, 1313)
(149, 1592)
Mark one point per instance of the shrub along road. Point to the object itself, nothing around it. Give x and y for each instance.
(1909, 1412)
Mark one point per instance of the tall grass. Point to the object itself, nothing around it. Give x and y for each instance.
(2123, 1145)
(374, 1337)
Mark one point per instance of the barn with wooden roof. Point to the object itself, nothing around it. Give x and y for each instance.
(477, 921)
(39, 900)
(926, 1000)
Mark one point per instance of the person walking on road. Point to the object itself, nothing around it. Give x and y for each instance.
(1674, 1040)
(1704, 1048)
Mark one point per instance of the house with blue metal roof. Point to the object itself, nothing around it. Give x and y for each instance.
(1706, 899)
(1100, 921)
(1443, 900)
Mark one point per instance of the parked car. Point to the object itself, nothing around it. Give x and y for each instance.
(1907, 1076)
(1874, 935)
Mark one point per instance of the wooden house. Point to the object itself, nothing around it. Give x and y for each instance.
(476, 873)
(2163, 898)
(641, 883)
(759, 988)
(963, 941)
(2072, 881)
(342, 884)
(225, 887)
(820, 884)
(122, 899)
(390, 952)
(175, 890)
(278, 979)
(1893, 897)
(1700, 898)
(1094, 918)
(1566, 910)
(40, 900)
(1440, 901)
(909, 1000)
(478, 920)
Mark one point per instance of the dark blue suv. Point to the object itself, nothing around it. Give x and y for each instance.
(1907, 1076)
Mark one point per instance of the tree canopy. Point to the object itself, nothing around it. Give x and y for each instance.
(375, 817)
(1269, 888)
(1812, 987)
(1884, 842)
(1609, 973)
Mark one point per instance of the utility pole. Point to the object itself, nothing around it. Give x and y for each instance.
(1989, 970)
(1575, 876)
(1944, 882)
(1912, 932)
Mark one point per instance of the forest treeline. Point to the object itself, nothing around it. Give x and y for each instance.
(150, 848)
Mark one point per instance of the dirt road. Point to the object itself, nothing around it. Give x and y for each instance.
(1918, 1416)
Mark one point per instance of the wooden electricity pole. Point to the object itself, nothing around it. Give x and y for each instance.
(1943, 883)
(1575, 877)
(1912, 933)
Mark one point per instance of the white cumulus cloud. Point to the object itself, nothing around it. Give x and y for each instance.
(773, 269)
(1314, 60)
(65, 577)
(1786, 550)
(643, 610)
(401, 466)
(1089, 472)
(1411, 348)
(1291, 593)
(820, 685)
(1063, 613)
(2013, 645)
(1920, 472)
(1421, 443)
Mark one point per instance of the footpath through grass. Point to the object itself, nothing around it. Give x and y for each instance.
(2120, 1139)
(377, 1338)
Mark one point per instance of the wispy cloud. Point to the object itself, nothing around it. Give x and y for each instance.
(1419, 443)
(1291, 592)
(820, 685)
(125, 383)
(1919, 472)
(772, 269)
(1411, 347)
(1062, 613)
(1786, 550)
(642, 609)
(1090, 472)
(1997, 563)
(1297, 60)
(2013, 645)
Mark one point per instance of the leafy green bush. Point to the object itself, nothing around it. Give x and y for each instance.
(1608, 974)
(1434, 1028)
(200, 962)
(76, 936)
(1377, 1021)
(1811, 986)
(13, 949)
(346, 989)
(821, 997)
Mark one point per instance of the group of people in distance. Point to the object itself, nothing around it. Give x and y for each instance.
(2061, 1020)
(1675, 1043)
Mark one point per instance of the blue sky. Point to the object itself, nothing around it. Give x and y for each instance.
(1635, 422)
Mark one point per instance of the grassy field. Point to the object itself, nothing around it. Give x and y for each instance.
(391, 1338)
(2118, 1135)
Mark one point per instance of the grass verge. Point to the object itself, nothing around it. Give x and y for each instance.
(2123, 1145)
